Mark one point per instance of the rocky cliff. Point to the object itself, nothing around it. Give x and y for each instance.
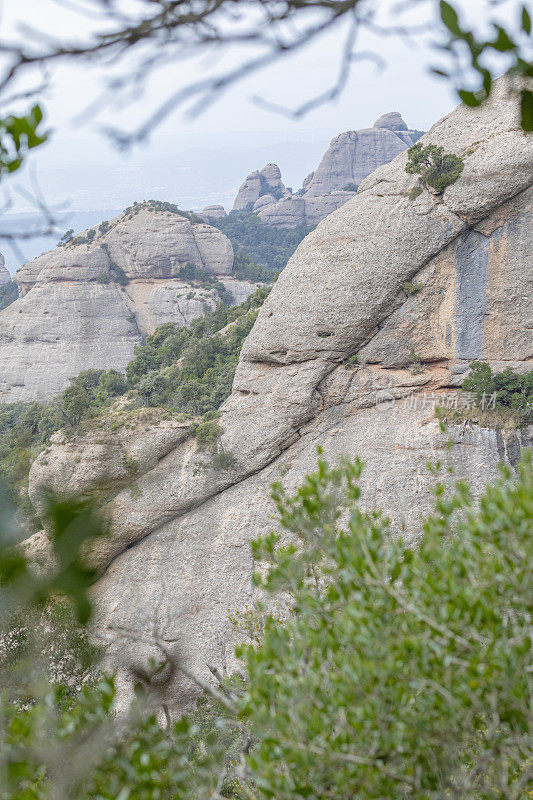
(178, 558)
(350, 158)
(88, 303)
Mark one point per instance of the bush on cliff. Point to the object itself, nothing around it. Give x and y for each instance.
(396, 671)
(508, 388)
(436, 168)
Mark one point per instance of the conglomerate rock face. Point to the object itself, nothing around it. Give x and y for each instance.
(88, 303)
(350, 158)
(178, 559)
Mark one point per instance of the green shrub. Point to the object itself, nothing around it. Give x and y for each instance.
(415, 192)
(111, 384)
(350, 187)
(393, 670)
(436, 168)
(103, 277)
(25, 428)
(416, 365)
(352, 361)
(118, 274)
(405, 671)
(66, 238)
(246, 269)
(207, 433)
(508, 388)
(412, 288)
(162, 206)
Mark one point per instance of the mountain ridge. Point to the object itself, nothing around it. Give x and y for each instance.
(178, 557)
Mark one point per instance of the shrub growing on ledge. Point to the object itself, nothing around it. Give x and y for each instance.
(509, 389)
(436, 168)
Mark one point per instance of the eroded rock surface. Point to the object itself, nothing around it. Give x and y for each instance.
(350, 158)
(88, 303)
(213, 212)
(179, 559)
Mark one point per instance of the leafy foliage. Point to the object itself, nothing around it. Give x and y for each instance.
(267, 247)
(184, 370)
(160, 205)
(18, 135)
(25, 428)
(66, 238)
(60, 736)
(394, 671)
(191, 370)
(515, 45)
(511, 389)
(246, 269)
(402, 670)
(436, 168)
(412, 287)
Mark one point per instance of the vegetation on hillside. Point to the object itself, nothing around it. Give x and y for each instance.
(394, 672)
(260, 251)
(162, 206)
(183, 370)
(190, 370)
(261, 245)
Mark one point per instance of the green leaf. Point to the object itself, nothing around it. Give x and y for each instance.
(449, 16)
(503, 42)
(526, 110)
(469, 98)
(526, 20)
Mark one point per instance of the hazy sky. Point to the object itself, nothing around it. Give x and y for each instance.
(234, 122)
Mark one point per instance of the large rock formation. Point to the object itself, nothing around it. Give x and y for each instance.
(88, 303)
(355, 154)
(350, 158)
(213, 212)
(178, 558)
(264, 183)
